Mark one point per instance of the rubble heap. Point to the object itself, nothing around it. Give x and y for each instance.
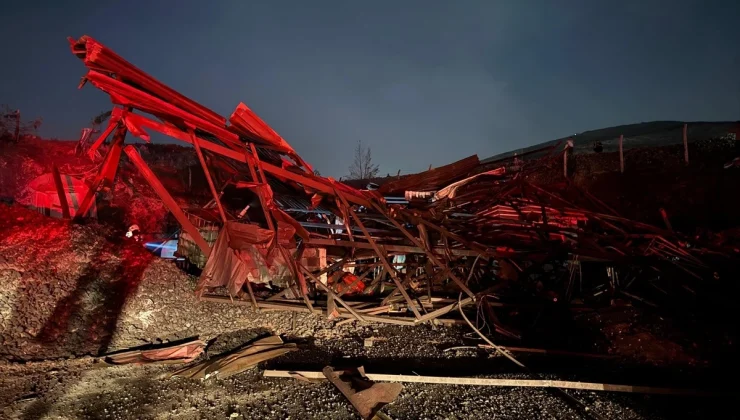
(459, 234)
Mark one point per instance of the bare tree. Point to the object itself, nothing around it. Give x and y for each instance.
(362, 167)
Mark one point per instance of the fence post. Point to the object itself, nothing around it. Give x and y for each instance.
(17, 125)
(621, 153)
(685, 144)
(566, 154)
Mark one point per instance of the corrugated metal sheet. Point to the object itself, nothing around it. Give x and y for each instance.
(268, 155)
(432, 179)
(299, 204)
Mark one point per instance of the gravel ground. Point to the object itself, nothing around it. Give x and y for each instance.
(84, 389)
(71, 292)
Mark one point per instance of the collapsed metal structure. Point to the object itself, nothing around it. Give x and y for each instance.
(463, 230)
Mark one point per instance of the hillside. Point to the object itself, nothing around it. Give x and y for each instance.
(639, 135)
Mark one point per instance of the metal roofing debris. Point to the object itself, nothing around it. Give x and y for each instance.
(432, 179)
(183, 352)
(486, 228)
(226, 365)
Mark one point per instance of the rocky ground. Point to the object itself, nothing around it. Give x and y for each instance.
(80, 390)
(70, 292)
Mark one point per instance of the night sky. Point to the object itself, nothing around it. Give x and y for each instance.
(420, 82)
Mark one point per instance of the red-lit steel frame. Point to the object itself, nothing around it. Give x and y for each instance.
(154, 98)
(166, 198)
(509, 221)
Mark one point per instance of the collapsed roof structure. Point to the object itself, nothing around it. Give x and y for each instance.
(463, 230)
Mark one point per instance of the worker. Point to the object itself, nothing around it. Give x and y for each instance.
(134, 233)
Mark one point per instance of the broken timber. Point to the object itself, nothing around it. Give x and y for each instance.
(531, 383)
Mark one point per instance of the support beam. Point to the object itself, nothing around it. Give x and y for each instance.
(299, 308)
(401, 249)
(313, 182)
(251, 296)
(253, 161)
(112, 124)
(109, 167)
(429, 254)
(109, 171)
(199, 152)
(484, 253)
(332, 294)
(356, 282)
(666, 220)
(381, 255)
(61, 191)
(167, 199)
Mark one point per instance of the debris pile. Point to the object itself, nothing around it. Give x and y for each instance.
(184, 352)
(405, 253)
(223, 366)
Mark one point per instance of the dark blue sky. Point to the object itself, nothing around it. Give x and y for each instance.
(421, 82)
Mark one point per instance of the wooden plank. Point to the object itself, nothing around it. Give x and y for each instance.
(61, 191)
(167, 199)
(528, 383)
(441, 311)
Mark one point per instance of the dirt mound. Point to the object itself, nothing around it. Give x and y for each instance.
(71, 290)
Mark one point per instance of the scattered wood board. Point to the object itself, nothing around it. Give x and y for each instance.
(534, 383)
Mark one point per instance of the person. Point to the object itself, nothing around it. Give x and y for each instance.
(134, 233)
